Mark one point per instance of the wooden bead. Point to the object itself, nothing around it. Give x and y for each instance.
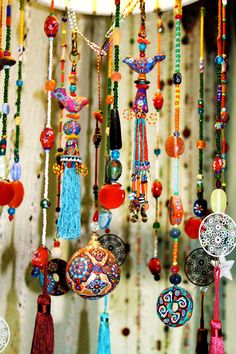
(201, 144)
(116, 36)
(116, 76)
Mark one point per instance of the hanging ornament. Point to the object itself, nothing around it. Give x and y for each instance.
(93, 271)
(191, 227)
(4, 334)
(141, 165)
(43, 338)
(69, 221)
(115, 245)
(56, 269)
(198, 268)
(104, 343)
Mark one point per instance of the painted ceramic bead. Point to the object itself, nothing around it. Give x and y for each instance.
(111, 196)
(47, 138)
(156, 189)
(192, 226)
(200, 207)
(174, 146)
(51, 26)
(217, 164)
(18, 194)
(71, 127)
(114, 170)
(175, 210)
(6, 192)
(218, 201)
(40, 257)
(154, 265)
(177, 78)
(158, 100)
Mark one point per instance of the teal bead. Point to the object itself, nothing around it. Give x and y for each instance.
(19, 83)
(72, 88)
(114, 170)
(115, 154)
(142, 46)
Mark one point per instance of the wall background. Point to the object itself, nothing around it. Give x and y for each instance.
(133, 304)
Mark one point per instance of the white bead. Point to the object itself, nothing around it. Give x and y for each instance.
(94, 226)
(56, 252)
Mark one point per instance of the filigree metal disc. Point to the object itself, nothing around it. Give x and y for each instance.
(198, 267)
(115, 245)
(217, 234)
(4, 334)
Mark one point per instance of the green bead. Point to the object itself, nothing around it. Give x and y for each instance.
(114, 170)
(156, 225)
(45, 203)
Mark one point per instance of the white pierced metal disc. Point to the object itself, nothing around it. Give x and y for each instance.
(4, 334)
(217, 234)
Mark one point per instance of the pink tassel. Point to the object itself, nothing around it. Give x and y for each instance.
(216, 342)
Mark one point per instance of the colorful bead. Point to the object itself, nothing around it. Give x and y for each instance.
(154, 265)
(200, 207)
(109, 99)
(50, 85)
(158, 100)
(40, 257)
(111, 196)
(5, 108)
(45, 203)
(174, 146)
(177, 78)
(6, 192)
(51, 26)
(217, 164)
(175, 210)
(114, 170)
(156, 189)
(192, 226)
(175, 232)
(115, 154)
(201, 144)
(47, 138)
(116, 76)
(71, 127)
(175, 279)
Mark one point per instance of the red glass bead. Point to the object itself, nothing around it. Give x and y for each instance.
(154, 265)
(95, 216)
(47, 138)
(56, 243)
(174, 146)
(158, 100)
(217, 164)
(11, 217)
(175, 210)
(18, 194)
(174, 269)
(107, 231)
(156, 189)
(51, 26)
(40, 257)
(111, 196)
(6, 192)
(192, 226)
(186, 132)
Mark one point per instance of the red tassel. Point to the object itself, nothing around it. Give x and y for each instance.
(43, 339)
(216, 342)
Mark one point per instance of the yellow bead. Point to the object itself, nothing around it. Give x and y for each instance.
(116, 36)
(218, 201)
(18, 120)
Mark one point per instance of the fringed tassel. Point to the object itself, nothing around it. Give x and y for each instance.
(68, 225)
(216, 342)
(104, 343)
(202, 345)
(43, 339)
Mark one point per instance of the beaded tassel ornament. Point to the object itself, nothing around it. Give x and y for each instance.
(154, 263)
(43, 339)
(6, 61)
(69, 221)
(141, 165)
(16, 168)
(181, 313)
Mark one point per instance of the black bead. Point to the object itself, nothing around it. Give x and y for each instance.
(177, 78)
(115, 130)
(157, 277)
(175, 279)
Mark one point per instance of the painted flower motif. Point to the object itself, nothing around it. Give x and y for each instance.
(96, 286)
(98, 254)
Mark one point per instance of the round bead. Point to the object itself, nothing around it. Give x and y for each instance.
(19, 83)
(154, 265)
(116, 76)
(175, 279)
(177, 78)
(218, 201)
(200, 207)
(45, 203)
(56, 252)
(71, 127)
(6, 192)
(142, 46)
(201, 144)
(157, 152)
(174, 146)
(158, 100)
(18, 195)
(217, 164)
(94, 226)
(219, 59)
(156, 189)
(11, 211)
(174, 269)
(192, 226)
(156, 225)
(115, 154)
(72, 88)
(47, 138)
(50, 85)
(109, 99)
(5, 108)
(51, 26)
(157, 277)
(111, 196)
(174, 232)
(40, 257)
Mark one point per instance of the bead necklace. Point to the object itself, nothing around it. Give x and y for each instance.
(141, 165)
(174, 148)
(16, 168)
(154, 263)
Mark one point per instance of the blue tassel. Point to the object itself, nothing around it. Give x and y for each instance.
(104, 343)
(68, 225)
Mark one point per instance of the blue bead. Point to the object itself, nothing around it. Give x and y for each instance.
(16, 171)
(219, 59)
(5, 108)
(72, 88)
(11, 211)
(142, 46)
(35, 272)
(157, 152)
(19, 83)
(115, 154)
(175, 232)
(175, 279)
(200, 207)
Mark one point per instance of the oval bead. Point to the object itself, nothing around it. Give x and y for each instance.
(111, 196)
(156, 189)
(51, 26)
(16, 171)
(114, 170)
(18, 194)
(158, 100)
(217, 164)
(174, 146)
(218, 201)
(47, 138)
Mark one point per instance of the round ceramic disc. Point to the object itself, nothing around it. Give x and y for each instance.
(198, 267)
(115, 245)
(4, 334)
(217, 234)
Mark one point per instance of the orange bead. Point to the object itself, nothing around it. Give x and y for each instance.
(174, 146)
(50, 85)
(116, 76)
(109, 99)
(201, 144)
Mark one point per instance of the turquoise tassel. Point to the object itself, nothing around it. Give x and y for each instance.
(104, 343)
(68, 225)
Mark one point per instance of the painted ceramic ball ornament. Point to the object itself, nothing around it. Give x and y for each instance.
(93, 271)
(111, 196)
(6, 192)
